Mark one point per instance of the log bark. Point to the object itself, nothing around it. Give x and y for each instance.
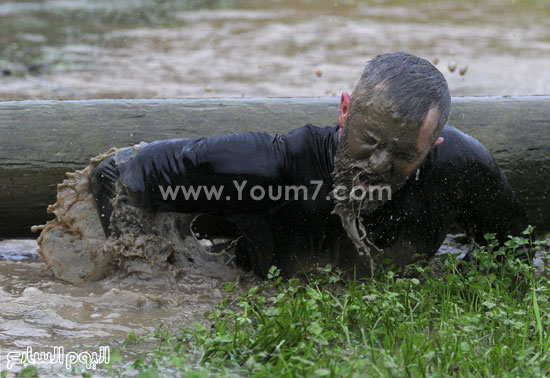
(41, 140)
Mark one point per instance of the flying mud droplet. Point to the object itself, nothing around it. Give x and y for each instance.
(319, 73)
(435, 61)
(462, 71)
(452, 66)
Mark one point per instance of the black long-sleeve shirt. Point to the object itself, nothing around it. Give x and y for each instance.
(459, 183)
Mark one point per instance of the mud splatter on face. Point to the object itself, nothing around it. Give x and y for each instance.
(366, 173)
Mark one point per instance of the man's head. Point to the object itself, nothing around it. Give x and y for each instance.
(395, 113)
(388, 126)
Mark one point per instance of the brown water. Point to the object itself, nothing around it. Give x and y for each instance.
(80, 49)
(42, 312)
(39, 310)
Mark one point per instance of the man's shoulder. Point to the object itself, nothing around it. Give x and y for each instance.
(315, 134)
(312, 130)
(310, 139)
(460, 147)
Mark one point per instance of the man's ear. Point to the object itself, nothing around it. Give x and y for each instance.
(344, 110)
(438, 142)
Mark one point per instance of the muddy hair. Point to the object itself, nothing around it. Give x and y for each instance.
(402, 88)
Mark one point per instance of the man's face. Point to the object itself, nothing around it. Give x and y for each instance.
(388, 153)
(374, 154)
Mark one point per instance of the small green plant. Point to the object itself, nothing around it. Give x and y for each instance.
(486, 317)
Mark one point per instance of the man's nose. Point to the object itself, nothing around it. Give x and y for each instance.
(380, 162)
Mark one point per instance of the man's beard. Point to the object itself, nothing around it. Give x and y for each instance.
(357, 193)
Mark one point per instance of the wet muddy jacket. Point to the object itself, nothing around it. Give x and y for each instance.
(275, 189)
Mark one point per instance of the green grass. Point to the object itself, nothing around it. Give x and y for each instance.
(488, 317)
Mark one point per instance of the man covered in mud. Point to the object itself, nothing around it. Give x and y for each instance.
(387, 183)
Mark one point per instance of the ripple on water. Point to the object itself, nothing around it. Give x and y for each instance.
(39, 310)
(270, 50)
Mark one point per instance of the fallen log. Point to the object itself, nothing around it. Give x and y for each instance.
(41, 140)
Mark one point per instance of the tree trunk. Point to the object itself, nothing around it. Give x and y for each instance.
(40, 140)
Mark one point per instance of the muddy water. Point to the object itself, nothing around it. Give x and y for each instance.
(54, 49)
(41, 311)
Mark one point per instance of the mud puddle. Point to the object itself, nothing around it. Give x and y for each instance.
(42, 312)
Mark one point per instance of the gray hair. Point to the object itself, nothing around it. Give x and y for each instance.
(403, 87)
